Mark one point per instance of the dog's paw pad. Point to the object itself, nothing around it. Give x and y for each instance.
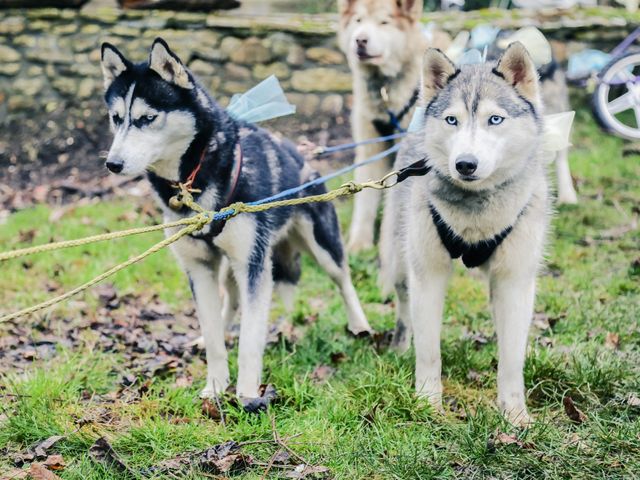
(268, 395)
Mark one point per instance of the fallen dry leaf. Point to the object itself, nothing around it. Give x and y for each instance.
(308, 471)
(322, 373)
(612, 341)
(224, 458)
(501, 438)
(573, 412)
(478, 339)
(575, 441)
(102, 452)
(107, 294)
(219, 459)
(27, 236)
(338, 357)
(381, 340)
(282, 457)
(211, 410)
(55, 462)
(184, 381)
(633, 400)
(474, 376)
(15, 474)
(41, 449)
(38, 471)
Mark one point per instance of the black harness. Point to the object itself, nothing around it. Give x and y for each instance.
(473, 254)
(388, 127)
(546, 72)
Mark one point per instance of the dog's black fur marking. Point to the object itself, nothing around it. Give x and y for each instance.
(473, 254)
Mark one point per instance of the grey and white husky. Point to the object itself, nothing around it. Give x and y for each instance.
(486, 200)
(165, 124)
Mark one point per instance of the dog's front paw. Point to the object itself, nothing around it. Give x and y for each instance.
(513, 407)
(360, 331)
(197, 343)
(568, 198)
(214, 389)
(433, 396)
(518, 416)
(209, 393)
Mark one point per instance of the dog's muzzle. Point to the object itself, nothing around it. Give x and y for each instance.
(466, 165)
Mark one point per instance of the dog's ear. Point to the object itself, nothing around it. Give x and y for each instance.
(113, 64)
(167, 64)
(517, 68)
(345, 5)
(436, 71)
(412, 8)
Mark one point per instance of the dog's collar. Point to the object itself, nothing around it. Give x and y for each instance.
(473, 254)
(393, 124)
(175, 202)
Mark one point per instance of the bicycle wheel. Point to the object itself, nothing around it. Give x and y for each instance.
(616, 100)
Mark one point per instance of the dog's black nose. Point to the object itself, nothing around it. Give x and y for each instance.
(115, 166)
(361, 42)
(466, 164)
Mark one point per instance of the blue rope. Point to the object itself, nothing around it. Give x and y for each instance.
(348, 146)
(316, 181)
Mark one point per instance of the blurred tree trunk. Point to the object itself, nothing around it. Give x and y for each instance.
(191, 5)
(42, 3)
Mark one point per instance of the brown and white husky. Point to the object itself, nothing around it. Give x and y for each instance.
(383, 41)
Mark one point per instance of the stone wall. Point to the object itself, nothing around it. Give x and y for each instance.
(50, 57)
(51, 85)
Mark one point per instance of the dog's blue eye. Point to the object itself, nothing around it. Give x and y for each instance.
(144, 120)
(451, 120)
(495, 120)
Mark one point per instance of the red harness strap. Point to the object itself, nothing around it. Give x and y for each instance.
(238, 160)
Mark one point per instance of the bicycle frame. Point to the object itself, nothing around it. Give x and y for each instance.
(626, 43)
(619, 51)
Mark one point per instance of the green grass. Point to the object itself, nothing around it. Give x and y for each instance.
(364, 422)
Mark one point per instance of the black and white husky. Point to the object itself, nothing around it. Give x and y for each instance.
(165, 124)
(485, 200)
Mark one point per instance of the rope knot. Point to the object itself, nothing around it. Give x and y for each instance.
(231, 210)
(353, 187)
(202, 219)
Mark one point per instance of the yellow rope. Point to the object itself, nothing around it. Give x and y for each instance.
(346, 189)
(93, 239)
(65, 296)
(193, 224)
